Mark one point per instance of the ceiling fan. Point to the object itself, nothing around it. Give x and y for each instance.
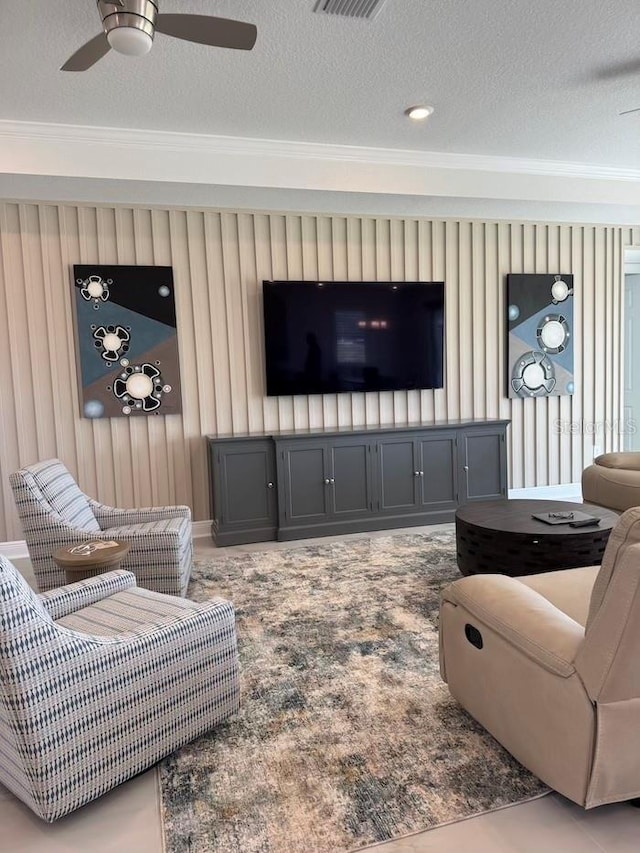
(130, 25)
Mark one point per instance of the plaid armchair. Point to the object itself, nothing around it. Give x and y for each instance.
(101, 679)
(54, 512)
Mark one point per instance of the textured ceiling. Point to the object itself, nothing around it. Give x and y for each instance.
(506, 77)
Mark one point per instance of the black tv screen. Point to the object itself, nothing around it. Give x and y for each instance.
(332, 336)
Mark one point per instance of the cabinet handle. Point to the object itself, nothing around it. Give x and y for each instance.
(270, 485)
(422, 473)
(327, 481)
(466, 467)
(332, 480)
(416, 473)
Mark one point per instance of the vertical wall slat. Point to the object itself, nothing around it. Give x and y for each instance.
(264, 272)
(88, 452)
(252, 321)
(577, 413)
(232, 286)
(69, 252)
(280, 265)
(438, 399)
(40, 359)
(452, 332)
(541, 405)
(310, 272)
(296, 251)
(190, 418)
(355, 241)
(465, 319)
(411, 268)
(23, 387)
(146, 429)
(561, 425)
(493, 320)
(590, 380)
(169, 430)
(10, 450)
(478, 312)
(530, 437)
(552, 266)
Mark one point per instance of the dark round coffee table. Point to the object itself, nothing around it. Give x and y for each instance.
(502, 537)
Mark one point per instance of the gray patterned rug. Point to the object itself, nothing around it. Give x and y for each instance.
(346, 735)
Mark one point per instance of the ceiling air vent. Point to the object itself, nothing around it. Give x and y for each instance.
(350, 8)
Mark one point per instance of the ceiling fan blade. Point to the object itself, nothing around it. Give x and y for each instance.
(88, 54)
(626, 112)
(205, 29)
(626, 68)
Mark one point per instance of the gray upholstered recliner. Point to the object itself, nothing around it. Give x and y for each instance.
(54, 512)
(613, 481)
(550, 665)
(100, 679)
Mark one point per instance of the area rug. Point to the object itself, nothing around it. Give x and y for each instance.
(346, 735)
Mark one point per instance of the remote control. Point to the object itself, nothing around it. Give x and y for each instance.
(585, 522)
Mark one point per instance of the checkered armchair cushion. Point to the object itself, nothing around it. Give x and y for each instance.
(54, 512)
(101, 679)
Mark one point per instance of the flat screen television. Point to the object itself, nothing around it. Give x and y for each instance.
(332, 336)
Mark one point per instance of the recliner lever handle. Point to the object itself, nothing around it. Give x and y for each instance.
(473, 635)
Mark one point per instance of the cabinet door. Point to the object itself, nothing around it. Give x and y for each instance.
(483, 465)
(305, 481)
(438, 483)
(243, 488)
(398, 474)
(351, 493)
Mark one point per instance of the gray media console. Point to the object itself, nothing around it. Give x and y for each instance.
(321, 483)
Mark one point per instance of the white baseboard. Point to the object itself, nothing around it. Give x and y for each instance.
(18, 550)
(14, 550)
(200, 529)
(564, 492)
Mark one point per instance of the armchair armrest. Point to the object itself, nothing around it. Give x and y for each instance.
(521, 616)
(628, 460)
(137, 535)
(612, 487)
(110, 516)
(67, 599)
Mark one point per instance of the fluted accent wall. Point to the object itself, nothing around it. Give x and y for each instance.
(219, 261)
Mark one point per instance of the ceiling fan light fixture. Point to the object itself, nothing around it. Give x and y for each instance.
(130, 40)
(128, 26)
(420, 112)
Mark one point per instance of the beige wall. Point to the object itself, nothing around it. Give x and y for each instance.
(219, 260)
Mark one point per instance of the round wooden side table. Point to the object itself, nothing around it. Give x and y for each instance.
(87, 559)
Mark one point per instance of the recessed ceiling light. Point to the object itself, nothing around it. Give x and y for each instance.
(419, 112)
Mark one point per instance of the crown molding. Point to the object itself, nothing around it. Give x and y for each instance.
(129, 154)
(237, 145)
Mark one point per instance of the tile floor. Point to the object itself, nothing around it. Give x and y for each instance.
(128, 819)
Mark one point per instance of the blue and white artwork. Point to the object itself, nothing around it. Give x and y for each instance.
(540, 335)
(127, 340)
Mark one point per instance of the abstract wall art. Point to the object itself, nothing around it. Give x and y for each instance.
(540, 335)
(126, 340)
